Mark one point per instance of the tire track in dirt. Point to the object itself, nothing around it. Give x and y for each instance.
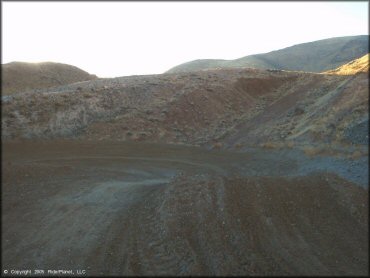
(166, 214)
(202, 165)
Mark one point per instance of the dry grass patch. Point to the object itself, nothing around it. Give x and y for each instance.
(312, 151)
(321, 150)
(271, 145)
(277, 145)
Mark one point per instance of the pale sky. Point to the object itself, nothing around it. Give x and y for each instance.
(113, 39)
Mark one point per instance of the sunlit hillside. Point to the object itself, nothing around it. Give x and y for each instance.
(353, 67)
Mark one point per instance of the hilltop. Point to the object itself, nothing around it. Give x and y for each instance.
(314, 56)
(21, 76)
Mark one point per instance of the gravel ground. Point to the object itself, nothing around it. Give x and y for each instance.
(359, 133)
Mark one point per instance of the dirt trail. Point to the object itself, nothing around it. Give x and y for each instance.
(151, 209)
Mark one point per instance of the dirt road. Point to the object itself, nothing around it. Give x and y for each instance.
(149, 209)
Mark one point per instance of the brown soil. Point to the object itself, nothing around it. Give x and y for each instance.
(144, 209)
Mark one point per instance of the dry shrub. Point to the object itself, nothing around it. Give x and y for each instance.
(238, 145)
(272, 145)
(88, 95)
(217, 145)
(11, 115)
(290, 144)
(356, 154)
(138, 136)
(268, 145)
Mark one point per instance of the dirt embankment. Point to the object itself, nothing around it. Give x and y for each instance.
(231, 107)
(316, 109)
(185, 108)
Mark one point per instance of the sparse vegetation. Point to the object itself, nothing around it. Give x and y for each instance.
(314, 150)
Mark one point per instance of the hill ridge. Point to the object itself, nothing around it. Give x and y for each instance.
(315, 56)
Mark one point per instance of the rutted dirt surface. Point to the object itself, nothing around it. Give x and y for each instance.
(151, 209)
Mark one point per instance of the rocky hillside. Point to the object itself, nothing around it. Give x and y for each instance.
(20, 76)
(230, 108)
(314, 56)
(353, 67)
